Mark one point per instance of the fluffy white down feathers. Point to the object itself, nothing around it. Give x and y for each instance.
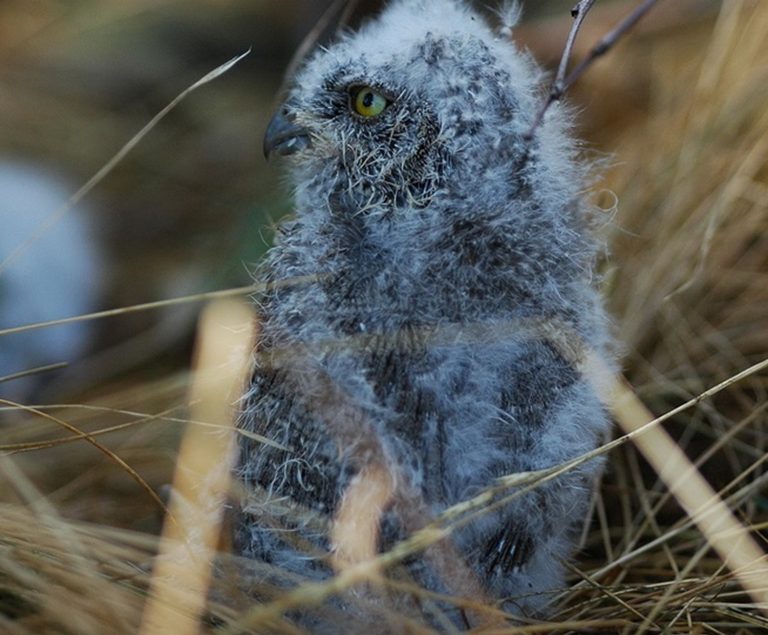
(427, 310)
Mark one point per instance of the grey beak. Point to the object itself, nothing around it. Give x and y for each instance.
(283, 136)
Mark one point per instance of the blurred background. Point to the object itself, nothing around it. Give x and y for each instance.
(676, 117)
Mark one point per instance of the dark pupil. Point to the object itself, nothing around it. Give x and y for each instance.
(368, 99)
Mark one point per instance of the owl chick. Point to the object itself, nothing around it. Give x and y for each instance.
(426, 314)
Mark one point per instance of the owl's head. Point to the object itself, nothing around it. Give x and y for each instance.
(424, 98)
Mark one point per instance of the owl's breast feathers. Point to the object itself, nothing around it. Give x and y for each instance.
(403, 362)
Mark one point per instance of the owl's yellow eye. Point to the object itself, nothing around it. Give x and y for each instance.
(366, 102)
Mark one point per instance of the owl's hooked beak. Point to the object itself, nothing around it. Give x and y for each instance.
(284, 136)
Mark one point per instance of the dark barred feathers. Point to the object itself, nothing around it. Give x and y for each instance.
(428, 313)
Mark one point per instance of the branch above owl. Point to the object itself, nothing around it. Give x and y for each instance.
(562, 81)
(335, 17)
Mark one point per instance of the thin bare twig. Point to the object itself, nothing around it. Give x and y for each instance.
(39, 370)
(562, 82)
(159, 304)
(608, 41)
(579, 14)
(342, 8)
(346, 15)
(146, 306)
(101, 448)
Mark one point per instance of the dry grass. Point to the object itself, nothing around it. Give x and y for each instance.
(687, 282)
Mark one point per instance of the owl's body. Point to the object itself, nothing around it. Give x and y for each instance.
(417, 306)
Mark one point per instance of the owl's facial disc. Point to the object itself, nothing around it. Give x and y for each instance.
(284, 136)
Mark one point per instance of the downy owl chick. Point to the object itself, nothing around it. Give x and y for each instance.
(427, 313)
